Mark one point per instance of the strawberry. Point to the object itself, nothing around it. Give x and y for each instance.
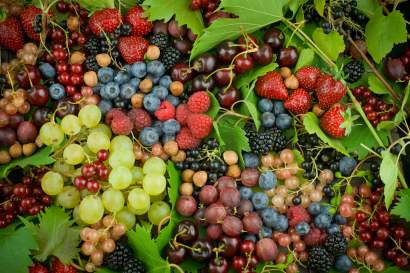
(307, 77)
(333, 121)
(11, 34)
(27, 18)
(271, 86)
(299, 102)
(106, 20)
(132, 48)
(59, 267)
(329, 91)
(140, 24)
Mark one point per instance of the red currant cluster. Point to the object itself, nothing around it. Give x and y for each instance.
(376, 109)
(91, 171)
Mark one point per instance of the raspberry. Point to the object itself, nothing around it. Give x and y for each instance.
(315, 237)
(112, 114)
(121, 125)
(165, 111)
(200, 125)
(59, 267)
(186, 140)
(140, 118)
(298, 214)
(37, 268)
(182, 113)
(199, 102)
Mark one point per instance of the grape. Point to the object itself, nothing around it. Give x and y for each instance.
(126, 218)
(73, 154)
(158, 211)
(266, 249)
(139, 201)
(249, 177)
(186, 205)
(52, 183)
(226, 182)
(76, 216)
(137, 175)
(252, 223)
(51, 134)
(91, 209)
(26, 132)
(121, 143)
(154, 165)
(214, 231)
(103, 128)
(69, 197)
(208, 195)
(232, 226)
(158, 197)
(97, 141)
(90, 115)
(215, 213)
(113, 200)
(63, 168)
(230, 197)
(154, 184)
(123, 158)
(71, 125)
(120, 178)
(245, 206)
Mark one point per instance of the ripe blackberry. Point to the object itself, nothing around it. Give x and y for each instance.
(319, 261)
(92, 45)
(265, 140)
(134, 266)
(170, 57)
(161, 40)
(126, 29)
(91, 63)
(118, 259)
(37, 28)
(336, 243)
(354, 71)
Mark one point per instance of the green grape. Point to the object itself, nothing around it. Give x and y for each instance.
(98, 141)
(158, 197)
(137, 211)
(103, 128)
(121, 143)
(126, 217)
(61, 167)
(52, 183)
(51, 134)
(113, 200)
(154, 184)
(158, 211)
(91, 209)
(137, 175)
(76, 216)
(90, 115)
(154, 165)
(124, 158)
(139, 200)
(73, 154)
(69, 197)
(71, 125)
(120, 178)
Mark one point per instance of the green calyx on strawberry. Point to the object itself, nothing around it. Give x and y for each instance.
(329, 91)
(271, 86)
(307, 77)
(299, 102)
(11, 34)
(338, 121)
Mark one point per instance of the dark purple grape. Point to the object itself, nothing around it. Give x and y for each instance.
(245, 207)
(208, 195)
(7, 136)
(226, 182)
(15, 120)
(215, 213)
(232, 226)
(252, 223)
(186, 205)
(230, 197)
(266, 249)
(214, 232)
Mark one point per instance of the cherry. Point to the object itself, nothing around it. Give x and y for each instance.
(288, 56)
(247, 42)
(28, 75)
(227, 51)
(247, 246)
(243, 63)
(223, 77)
(181, 72)
(38, 95)
(253, 262)
(230, 245)
(202, 82)
(205, 63)
(264, 55)
(187, 231)
(201, 250)
(218, 265)
(274, 38)
(238, 262)
(228, 97)
(176, 255)
(66, 107)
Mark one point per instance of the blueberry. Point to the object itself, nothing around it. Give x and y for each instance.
(127, 68)
(282, 223)
(267, 180)
(269, 217)
(265, 105)
(97, 88)
(173, 100)
(105, 74)
(149, 136)
(251, 160)
(333, 229)
(339, 219)
(165, 81)
(121, 77)
(165, 138)
(260, 200)
(157, 125)
(105, 106)
(322, 221)
(47, 70)
(126, 91)
(160, 91)
(396, 149)
(110, 91)
(156, 69)
(246, 193)
(343, 263)
(347, 165)
(266, 232)
(56, 91)
(135, 82)
(283, 121)
(278, 107)
(151, 102)
(139, 69)
(250, 237)
(268, 120)
(314, 208)
(302, 228)
(155, 80)
(171, 126)
(325, 209)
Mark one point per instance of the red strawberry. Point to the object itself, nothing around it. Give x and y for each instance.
(271, 86)
(59, 267)
(107, 20)
(307, 77)
(200, 125)
(140, 24)
(27, 18)
(329, 91)
(331, 121)
(132, 48)
(299, 102)
(11, 34)
(37, 268)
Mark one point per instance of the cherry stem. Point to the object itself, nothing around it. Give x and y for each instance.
(177, 267)
(162, 222)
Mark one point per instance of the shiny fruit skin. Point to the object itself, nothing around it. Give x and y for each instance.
(228, 97)
(29, 75)
(243, 63)
(274, 38)
(288, 56)
(176, 255)
(219, 265)
(38, 95)
(264, 55)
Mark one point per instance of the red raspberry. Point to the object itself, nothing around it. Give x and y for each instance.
(165, 111)
(140, 118)
(315, 237)
(37, 268)
(186, 140)
(199, 102)
(182, 113)
(59, 267)
(298, 214)
(200, 125)
(121, 125)
(111, 114)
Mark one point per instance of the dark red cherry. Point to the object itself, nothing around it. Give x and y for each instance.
(243, 63)
(264, 55)
(218, 265)
(28, 75)
(38, 95)
(227, 51)
(274, 38)
(288, 57)
(228, 97)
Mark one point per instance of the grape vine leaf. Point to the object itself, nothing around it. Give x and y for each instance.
(94, 5)
(165, 10)
(380, 38)
(105, 270)
(191, 266)
(402, 208)
(368, 7)
(215, 107)
(40, 158)
(15, 247)
(306, 57)
(388, 173)
(319, 6)
(248, 107)
(294, 5)
(252, 15)
(376, 85)
(331, 44)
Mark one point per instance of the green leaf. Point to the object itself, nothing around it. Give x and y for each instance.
(376, 85)
(252, 15)
(383, 32)
(368, 7)
(105, 270)
(191, 266)
(388, 173)
(311, 123)
(386, 125)
(165, 10)
(250, 105)
(214, 109)
(146, 250)
(95, 5)
(306, 57)
(395, 269)
(294, 5)
(40, 158)
(319, 6)
(331, 44)
(15, 246)
(402, 208)
(247, 78)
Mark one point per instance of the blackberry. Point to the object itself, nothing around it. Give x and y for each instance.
(354, 71)
(336, 243)
(92, 45)
(91, 63)
(119, 258)
(126, 29)
(319, 261)
(160, 40)
(170, 57)
(37, 28)
(265, 140)
(134, 266)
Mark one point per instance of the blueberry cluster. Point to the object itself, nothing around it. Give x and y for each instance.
(265, 140)
(274, 114)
